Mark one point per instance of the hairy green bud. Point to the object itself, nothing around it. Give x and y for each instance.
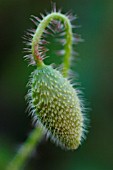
(53, 102)
(57, 106)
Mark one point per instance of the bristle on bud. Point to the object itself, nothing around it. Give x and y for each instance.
(55, 102)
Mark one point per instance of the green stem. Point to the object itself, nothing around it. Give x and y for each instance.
(26, 150)
(36, 135)
(68, 46)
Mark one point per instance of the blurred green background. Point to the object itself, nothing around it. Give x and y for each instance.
(94, 66)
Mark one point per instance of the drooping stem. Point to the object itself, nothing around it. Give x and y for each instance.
(68, 46)
(26, 150)
(37, 134)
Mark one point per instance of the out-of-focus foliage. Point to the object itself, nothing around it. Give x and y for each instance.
(94, 65)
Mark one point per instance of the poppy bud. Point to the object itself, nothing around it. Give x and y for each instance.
(57, 106)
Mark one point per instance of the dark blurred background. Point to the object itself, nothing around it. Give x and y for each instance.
(94, 66)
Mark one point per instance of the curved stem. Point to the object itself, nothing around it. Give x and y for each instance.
(36, 135)
(68, 46)
(26, 150)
